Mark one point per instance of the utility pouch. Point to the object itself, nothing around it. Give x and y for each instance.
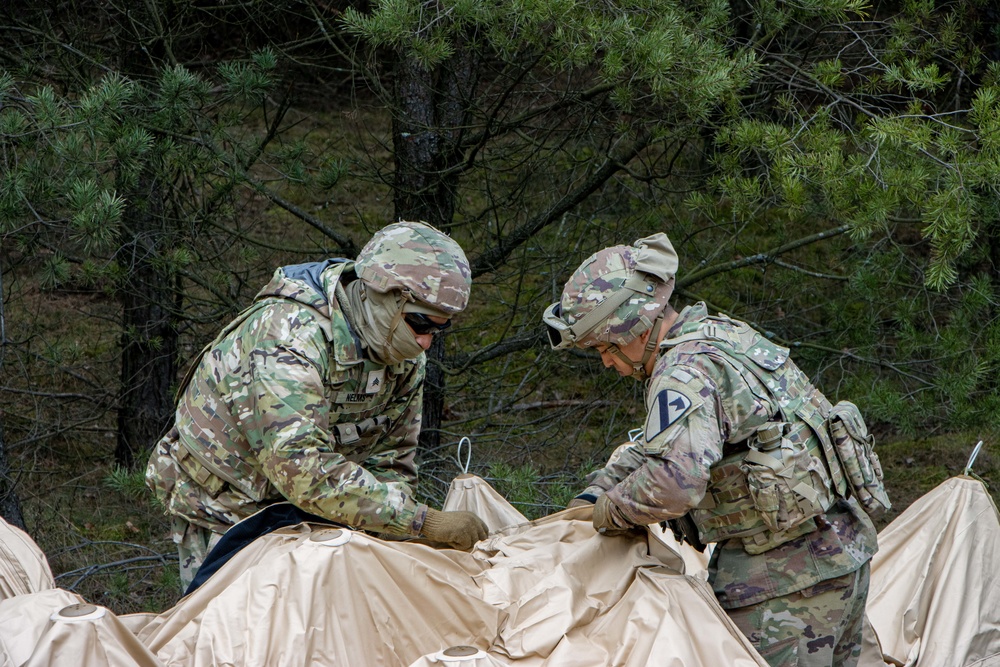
(855, 448)
(783, 477)
(201, 475)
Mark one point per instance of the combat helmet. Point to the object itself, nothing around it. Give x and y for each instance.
(421, 261)
(615, 296)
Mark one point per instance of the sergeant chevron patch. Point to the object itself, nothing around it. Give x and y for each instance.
(669, 406)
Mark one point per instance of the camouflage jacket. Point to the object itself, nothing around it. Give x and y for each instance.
(698, 410)
(284, 405)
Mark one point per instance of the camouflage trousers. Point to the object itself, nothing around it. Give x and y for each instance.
(818, 627)
(193, 544)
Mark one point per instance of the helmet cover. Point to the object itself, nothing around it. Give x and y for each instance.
(646, 271)
(415, 257)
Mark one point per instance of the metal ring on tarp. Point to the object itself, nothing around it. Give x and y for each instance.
(459, 654)
(972, 458)
(468, 457)
(331, 538)
(78, 613)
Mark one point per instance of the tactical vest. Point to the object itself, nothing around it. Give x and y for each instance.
(357, 422)
(768, 488)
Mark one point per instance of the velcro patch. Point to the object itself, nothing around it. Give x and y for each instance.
(668, 407)
(681, 375)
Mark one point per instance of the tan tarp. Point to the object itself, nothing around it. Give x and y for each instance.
(541, 594)
(56, 628)
(459, 656)
(23, 567)
(474, 494)
(935, 585)
(327, 597)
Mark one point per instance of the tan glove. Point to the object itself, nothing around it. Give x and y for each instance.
(608, 519)
(578, 502)
(459, 530)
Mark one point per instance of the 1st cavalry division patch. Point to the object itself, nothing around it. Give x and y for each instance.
(670, 405)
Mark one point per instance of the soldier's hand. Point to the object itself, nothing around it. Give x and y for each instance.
(579, 501)
(608, 519)
(459, 530)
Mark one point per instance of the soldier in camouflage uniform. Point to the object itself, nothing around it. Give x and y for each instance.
(734, 452)
(313, 395)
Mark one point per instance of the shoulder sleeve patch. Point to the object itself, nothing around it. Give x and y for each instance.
(668, 407)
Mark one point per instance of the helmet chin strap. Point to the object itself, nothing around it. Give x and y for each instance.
(639, 367)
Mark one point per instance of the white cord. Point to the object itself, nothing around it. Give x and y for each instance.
(468, 457)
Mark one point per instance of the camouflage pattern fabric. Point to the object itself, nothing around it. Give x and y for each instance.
(603, 275)
(698, 409)
(283, 405)
(816, 627)
(193, 544)
(424, 261)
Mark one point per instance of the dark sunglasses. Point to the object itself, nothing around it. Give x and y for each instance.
(422, 324)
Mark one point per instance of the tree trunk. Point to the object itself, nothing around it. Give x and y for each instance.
(149, 334)
(432, 108)
(10, 506)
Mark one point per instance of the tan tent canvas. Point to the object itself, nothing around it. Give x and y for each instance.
(935, 586)
(56, 628)
(473, 494)
(23, 567)
(331, 597)
(546, 593)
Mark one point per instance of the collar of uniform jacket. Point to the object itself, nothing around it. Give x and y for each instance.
(690, 314)
(313, 286)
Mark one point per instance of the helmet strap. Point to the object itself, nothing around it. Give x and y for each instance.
(651, 344)
(639, 367)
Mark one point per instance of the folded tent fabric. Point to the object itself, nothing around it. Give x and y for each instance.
(56, 628)
(459, 656)
(267, 520)
(332, 597)
(935, 584)
(471, 493)
(540, 594)
(23, 566)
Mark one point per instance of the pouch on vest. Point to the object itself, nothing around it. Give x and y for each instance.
(855, 448)
(193, 468)
(783, 477)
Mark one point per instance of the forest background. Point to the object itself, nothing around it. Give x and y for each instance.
(828, 171)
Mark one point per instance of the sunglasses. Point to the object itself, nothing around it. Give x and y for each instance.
(422, 324)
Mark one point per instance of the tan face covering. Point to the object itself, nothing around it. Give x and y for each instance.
(380, 326)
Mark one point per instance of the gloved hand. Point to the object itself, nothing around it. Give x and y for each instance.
(459, 530)
(608, 519)
(581, 500)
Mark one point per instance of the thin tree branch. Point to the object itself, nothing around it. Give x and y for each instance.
(489, 260)
(814, 274)
(759, 258)
(460, 363)
(348, 246)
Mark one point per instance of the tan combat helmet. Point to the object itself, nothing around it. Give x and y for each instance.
(428, 267)
(615, 296)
